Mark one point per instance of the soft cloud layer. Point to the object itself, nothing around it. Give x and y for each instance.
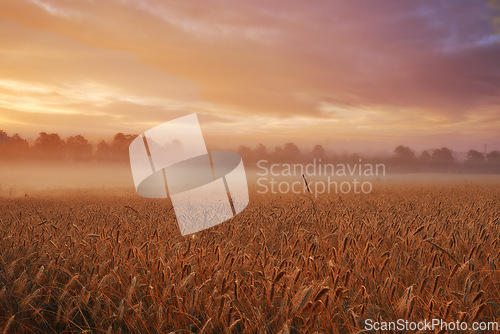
(361, 73)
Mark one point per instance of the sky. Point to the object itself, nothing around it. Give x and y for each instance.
(350, 75)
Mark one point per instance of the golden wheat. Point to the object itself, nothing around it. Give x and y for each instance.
(117, 263)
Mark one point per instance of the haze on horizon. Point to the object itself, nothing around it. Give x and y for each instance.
(358, 75)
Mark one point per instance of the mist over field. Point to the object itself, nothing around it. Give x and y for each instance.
(52, 162)
(19, 178)
(30, 177)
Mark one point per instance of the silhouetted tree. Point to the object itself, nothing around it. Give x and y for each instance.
(442, 155)
(474, 156)
(442, 159)
(425, 157)
(318, 152)
(49, 146)
(13, 147)
(404, 158)
(18, 145)
(4, 138)
(404, 154)
(424, 160)
(493, 156)
(78, 148)
(291, 152)
(120, 145)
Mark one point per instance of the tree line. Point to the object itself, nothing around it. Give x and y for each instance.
(403, 159)
(50, 146)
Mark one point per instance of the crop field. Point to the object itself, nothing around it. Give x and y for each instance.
(113, 262)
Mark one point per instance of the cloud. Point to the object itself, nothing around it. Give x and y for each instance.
(52, 9)
(347, 68)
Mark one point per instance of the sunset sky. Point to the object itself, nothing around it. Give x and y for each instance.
(345, 74)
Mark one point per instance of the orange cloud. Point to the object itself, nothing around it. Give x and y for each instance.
(259, 71)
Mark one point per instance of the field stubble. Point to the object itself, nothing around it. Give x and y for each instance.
(85, 261)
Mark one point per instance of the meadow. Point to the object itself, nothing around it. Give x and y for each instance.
(108, 261)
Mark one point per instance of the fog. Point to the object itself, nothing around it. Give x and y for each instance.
(20, 178)
(30, 177)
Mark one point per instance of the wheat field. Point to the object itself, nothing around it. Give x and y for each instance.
(113, 262)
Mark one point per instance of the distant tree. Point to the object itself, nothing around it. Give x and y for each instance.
(404, 158)
(121, 140)
(78, 148)
(442, 155)
(49, 146)
(4, 138)
(474, 156)
(318, 152)
(404, 153)
(18, 144)
(425, 157)
(493, 156)
(13, 147)
(120, 145)
(424, 160)
(291, 152)
(49, 141)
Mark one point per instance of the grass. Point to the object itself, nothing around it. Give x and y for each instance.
(105, 262)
